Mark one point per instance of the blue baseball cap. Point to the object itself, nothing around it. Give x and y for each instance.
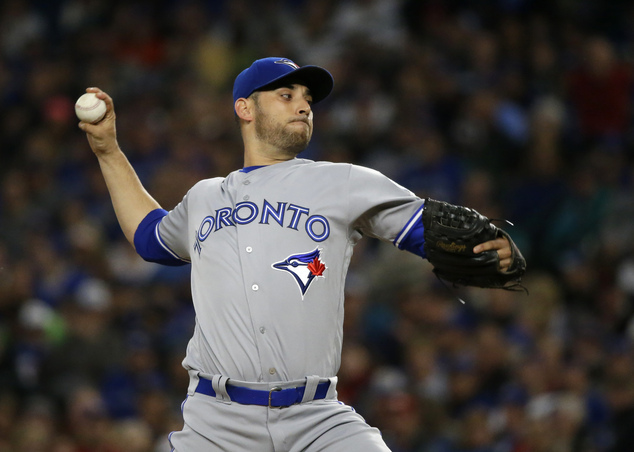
(269, 72)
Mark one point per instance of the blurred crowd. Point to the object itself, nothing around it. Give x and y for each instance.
(521, 109)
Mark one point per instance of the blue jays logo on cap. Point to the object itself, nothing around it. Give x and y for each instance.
(304, 267)
(270, 72)
(288, 62)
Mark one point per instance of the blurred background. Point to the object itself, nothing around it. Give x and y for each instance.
(521, 109)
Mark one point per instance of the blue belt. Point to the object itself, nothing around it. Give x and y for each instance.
(274, 398)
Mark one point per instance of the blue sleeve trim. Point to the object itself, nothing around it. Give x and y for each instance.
(412, 236)
(148, 242)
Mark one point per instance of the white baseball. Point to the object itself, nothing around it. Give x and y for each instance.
(89, 108)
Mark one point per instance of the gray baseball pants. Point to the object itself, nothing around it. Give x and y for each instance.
(214, 424)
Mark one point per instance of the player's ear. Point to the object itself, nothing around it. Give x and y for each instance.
(243, 109)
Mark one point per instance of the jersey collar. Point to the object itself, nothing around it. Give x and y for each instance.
(248, 169)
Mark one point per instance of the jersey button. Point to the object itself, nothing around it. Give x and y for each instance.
(248, 249)
(255, 287)
(245, 197)
(272, 371)
(246, 182)
(262, 330)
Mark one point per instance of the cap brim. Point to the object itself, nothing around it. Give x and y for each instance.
(317, 79)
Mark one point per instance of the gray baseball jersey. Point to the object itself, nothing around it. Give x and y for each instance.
(269, 250)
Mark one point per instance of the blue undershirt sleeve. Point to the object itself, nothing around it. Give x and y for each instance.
(412, 237)
(148, 243)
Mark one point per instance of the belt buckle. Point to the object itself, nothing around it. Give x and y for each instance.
(273, 389)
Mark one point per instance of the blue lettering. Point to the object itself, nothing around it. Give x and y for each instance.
(325, 226)
(205, 228)
(317, 226)
(222, 218)
(296, 216)
(269, 211)
(253, 209)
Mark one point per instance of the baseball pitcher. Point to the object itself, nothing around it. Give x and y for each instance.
(269, 247)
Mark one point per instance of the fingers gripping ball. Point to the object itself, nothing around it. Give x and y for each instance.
(451, 233)
(89, 108)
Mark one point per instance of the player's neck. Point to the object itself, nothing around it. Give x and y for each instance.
(265, 156)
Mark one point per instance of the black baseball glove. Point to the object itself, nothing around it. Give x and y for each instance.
(451, 233)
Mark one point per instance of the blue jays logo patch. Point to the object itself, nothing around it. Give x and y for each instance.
(288, 63)
(304, 268)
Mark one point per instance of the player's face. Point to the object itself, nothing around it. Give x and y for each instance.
(283, 118)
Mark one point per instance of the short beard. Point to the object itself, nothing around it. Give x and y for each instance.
(290, 143)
